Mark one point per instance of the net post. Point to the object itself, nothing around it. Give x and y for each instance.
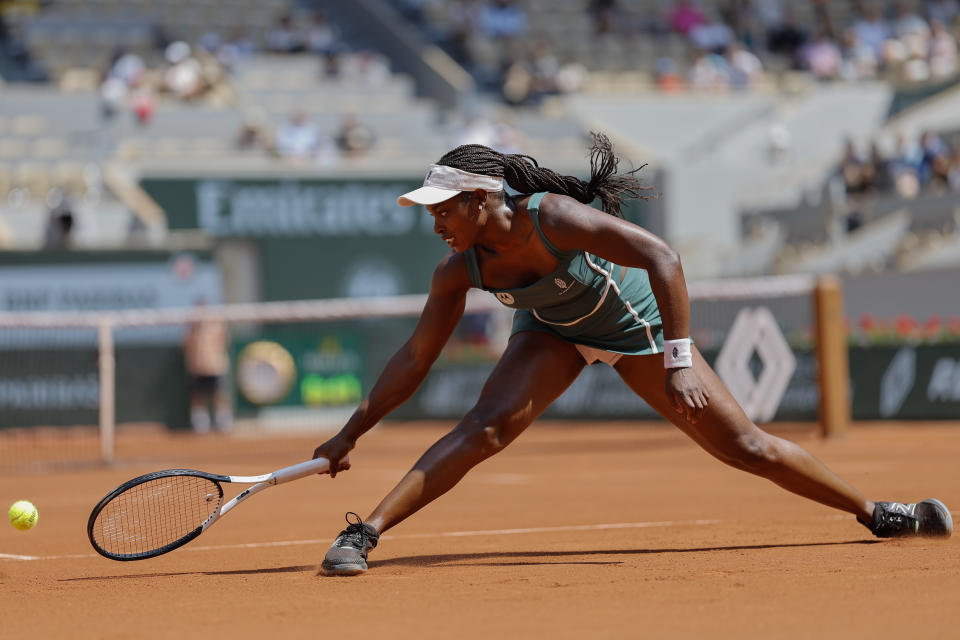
(832, 357)
(107, 372)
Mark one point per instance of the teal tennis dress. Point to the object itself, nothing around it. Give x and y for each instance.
(587, 300)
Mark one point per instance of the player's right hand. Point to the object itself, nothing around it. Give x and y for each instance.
(335, 450)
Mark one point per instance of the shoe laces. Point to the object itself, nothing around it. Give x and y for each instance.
(357, 534)
(895, 518)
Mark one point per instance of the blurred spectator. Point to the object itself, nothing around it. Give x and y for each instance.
(205, 351)
(255, 133)
(298, 137)
(544, 68)
(240, 42)
(571, 77)
(143, 105)
(943, 51)
(787, 39)
(333, 64)
(353, 137)
(822, 57)
(953, 176)
(713, 35)
(321, 36)
(604, 14)
(60, 221)
(517, 84)
(769, 13)
(284, 38)
(909, 23)
(859, 61)
(372, 68)
(744, 66)
(227, 51)
(879, 167)
(126, 71)
(684, 16)
(904, 167)
(872, 30)
(934, 161)
(667, 75)
(854, 170)
(127, 67)
(184, 75)
(503, 19)
(113, 96)
(499, 134)
(709, 72)
(943, 11)
(475, 129)
(463, 17)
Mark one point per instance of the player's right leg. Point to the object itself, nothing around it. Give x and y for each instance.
(199, 411)
(725, 431)
(533, 371)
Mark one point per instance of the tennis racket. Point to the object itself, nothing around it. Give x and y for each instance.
(161, 511)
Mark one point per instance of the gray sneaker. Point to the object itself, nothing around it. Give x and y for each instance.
(348, 555)
(929, 518)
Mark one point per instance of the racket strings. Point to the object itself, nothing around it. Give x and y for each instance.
(155, 514)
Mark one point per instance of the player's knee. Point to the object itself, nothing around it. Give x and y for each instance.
(482, 433)
(754, 452)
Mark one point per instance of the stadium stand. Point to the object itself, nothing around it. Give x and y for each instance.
(165, 87)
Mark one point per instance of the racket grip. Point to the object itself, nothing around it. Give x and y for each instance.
(302, 470)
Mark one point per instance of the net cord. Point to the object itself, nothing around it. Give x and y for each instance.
(352, 308)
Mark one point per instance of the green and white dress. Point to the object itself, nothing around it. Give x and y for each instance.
(587, 300)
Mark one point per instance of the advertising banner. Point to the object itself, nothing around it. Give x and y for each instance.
(598, 393)
(299, 368)
(907, 382)
(316, 238)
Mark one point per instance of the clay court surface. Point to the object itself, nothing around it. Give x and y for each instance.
(608, 530)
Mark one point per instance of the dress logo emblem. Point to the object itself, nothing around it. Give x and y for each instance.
(564, 286)
(505, 297)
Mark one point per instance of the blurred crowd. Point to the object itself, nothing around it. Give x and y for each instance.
(927, 163)
(725, 44)
(188, 73)
(490, 39)
(300, 139)
(204, 71)
(900, 43)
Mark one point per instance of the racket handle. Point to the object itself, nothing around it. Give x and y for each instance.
(304, 469)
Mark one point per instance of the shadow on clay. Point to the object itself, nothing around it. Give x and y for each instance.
(543, 557)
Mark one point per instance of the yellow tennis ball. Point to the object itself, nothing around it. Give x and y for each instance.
(23, 515)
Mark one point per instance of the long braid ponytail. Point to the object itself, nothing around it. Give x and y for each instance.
(525, 175)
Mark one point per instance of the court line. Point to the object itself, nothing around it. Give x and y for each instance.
(408, 536)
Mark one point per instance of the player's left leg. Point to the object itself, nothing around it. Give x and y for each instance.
(199, 405)
(533, 371)
(222, 409)
(726, 432)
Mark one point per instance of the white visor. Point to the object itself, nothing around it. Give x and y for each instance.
(442, 183)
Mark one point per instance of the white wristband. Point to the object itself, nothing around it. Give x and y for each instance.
(676, 354)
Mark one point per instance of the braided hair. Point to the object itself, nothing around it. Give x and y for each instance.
(525, 175)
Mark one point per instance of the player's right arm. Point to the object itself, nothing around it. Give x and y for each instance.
(409, 366)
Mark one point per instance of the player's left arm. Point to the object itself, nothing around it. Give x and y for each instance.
(572, 225)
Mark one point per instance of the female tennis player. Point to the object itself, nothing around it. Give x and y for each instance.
(587, 287)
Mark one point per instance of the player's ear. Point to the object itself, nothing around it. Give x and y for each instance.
(480, 196)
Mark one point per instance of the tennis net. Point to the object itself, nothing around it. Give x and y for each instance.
(71, 382)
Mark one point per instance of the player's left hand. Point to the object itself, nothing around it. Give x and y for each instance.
(687, 393)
